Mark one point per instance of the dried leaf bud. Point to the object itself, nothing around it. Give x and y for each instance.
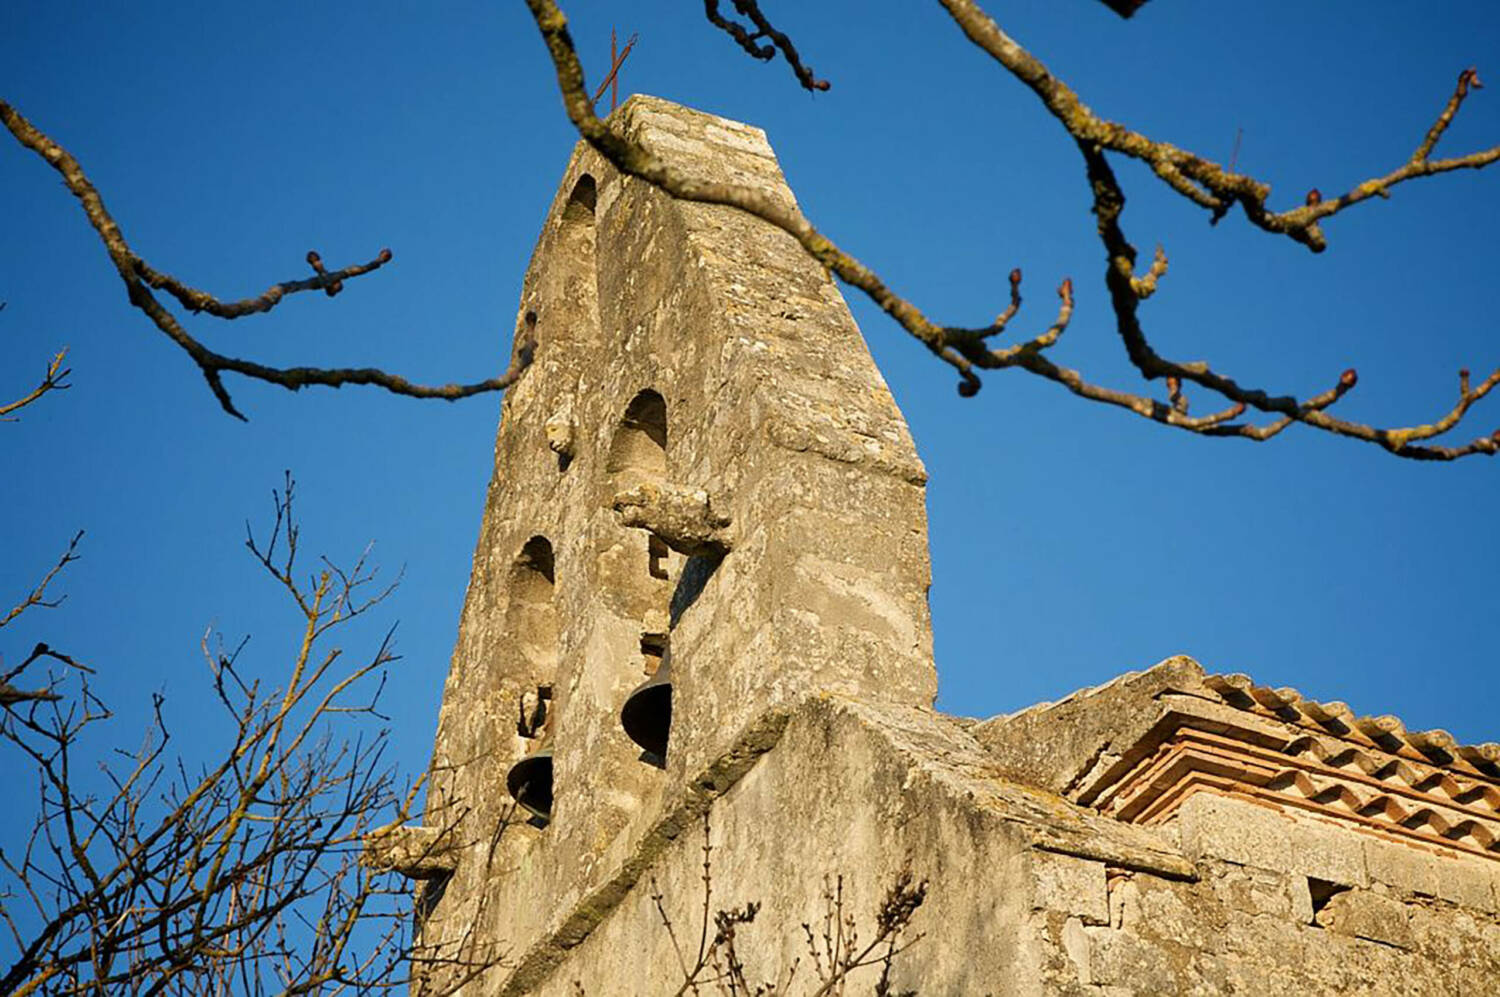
(1066, 291)
(968, 389)
(1349, 378)
(1015, 277)
(1174, 385)
(314, 259)
(1314, 196)
(385, 256)
(1463, 373)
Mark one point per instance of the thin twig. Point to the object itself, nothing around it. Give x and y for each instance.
(140, 278)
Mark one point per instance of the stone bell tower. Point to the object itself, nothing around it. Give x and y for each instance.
(698, 618)
(702, 457)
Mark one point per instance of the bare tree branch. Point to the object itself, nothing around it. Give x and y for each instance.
(1126, 293)
(720, 966)
(140, 278)
(965, 349)
(38, 595)
(750, 40)
(1196, 177)
(53, 380)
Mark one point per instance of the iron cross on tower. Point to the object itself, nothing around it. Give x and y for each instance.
(617, 58)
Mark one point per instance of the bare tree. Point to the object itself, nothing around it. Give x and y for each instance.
(240, 874)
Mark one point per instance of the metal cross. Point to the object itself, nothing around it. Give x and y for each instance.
(616, 60)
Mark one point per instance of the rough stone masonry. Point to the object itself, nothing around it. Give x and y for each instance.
(704, 479)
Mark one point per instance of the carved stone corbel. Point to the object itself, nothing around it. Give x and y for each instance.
(414, 852)
(682, 517)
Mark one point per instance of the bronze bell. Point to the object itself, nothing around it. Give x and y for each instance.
(530, 781)
(647, 713)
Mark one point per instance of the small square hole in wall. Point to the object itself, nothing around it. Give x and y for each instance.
(653, 649)
(657, 553)
(536, 713)
(1322, 891)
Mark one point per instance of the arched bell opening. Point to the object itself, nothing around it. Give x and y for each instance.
(531, 626)
(529, 782)
(637, 456)
(639, 447)
(581, 200)
(647, 713)
(561, 300)
(524, 340)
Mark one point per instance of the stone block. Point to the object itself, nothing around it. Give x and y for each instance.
(1363, 914)
(1301, 899)
(1070, 885)
(1216, 827)
(1326, 851)
(1466, 882)
(1409, 869)
(1122, 959)
(1433, 934)
(1078, 946)
(1258, 891)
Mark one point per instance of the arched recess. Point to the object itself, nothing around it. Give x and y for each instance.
(639, 446)
(638, 455)
(531, 626)
(561, 302)
(581, 200)
(573, 256)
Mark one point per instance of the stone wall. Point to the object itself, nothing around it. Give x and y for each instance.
(1028, 894)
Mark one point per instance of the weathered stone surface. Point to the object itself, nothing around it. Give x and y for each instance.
(1057, 744)
(1214, 827)
(1465, 882)
(1368, 915)
(683, 518)
(1071, 885)
(702, 457)
(414, 852)
(1407, 867)
(1327, 852)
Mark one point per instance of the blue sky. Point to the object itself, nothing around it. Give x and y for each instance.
(1070, 542)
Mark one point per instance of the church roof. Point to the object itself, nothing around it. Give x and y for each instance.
(1138, 747)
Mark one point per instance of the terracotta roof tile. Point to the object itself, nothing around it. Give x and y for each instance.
(1304, 757)
(1386, 733)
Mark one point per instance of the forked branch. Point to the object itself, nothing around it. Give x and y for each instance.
(55, 379)
(141, 278)
(1199, 179)
(1196, 177)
